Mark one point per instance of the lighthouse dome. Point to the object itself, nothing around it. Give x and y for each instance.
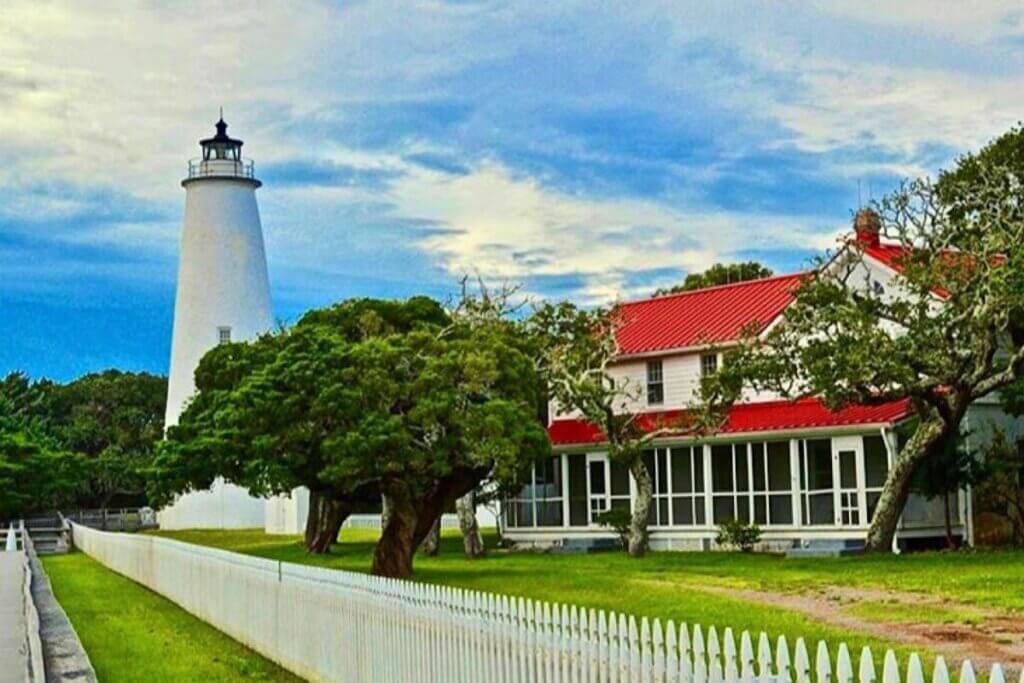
(222, 158)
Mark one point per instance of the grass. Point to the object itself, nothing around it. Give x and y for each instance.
(891, 612)
(133, 634)
(689, 587)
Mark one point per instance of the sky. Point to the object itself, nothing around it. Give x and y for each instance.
(583, 150)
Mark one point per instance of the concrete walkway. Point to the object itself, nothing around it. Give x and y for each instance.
(13, 633)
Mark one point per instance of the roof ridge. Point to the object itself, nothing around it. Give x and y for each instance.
(743, 283)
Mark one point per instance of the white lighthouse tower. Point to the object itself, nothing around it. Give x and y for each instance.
(223, 295)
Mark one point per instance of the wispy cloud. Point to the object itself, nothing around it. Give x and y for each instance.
(589, 151)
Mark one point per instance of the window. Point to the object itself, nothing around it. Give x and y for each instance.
(772, 484)
(687, 472)
(708, 364)
(223, 335)
(539, 501)
(655, 383)
(656, 462)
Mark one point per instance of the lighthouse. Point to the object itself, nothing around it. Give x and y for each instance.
(223, 296)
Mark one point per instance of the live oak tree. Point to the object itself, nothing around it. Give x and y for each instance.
(363, 399)
(946, 332)
(294, 409)
(579, 348)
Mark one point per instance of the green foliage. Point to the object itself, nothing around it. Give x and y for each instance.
(740, 535)
(363, 397)
(1002, 491)
(618, 519)
(78, 444)
(114, 419)
(719, 274)
(951, 468)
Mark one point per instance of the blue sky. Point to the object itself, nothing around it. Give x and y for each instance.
(586, 150)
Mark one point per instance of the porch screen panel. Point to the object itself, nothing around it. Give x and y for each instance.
(539, 501)
(817, 487)
(656, 462)
(730, 482)
(577, 490)
(620, 497)
(772, 485)
(687, 463)
(876, 469)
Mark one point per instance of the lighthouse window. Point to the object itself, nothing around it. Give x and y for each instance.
(224, 335)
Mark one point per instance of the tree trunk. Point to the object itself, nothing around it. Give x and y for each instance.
(641, 507)
(894, 494)
(472, 541)
(385, 511)
(393, 555)
(413, 513)
(950, 543)
(432, 543)
(323, 523)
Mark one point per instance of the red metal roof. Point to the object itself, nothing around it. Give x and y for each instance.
(767, 416)
(703, 316)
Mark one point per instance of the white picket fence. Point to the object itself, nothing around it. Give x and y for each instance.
(333, 625)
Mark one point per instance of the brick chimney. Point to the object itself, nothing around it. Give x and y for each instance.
(867, 225)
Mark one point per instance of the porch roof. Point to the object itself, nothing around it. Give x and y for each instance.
(765, 416)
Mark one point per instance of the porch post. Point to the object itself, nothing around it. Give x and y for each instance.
(708, 508)
(794, 482)
(564, 492)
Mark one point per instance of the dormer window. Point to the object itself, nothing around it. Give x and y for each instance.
(223, 335)
(708, 364)
(655, 383)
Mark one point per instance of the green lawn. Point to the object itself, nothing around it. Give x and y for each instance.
(675, 585)
(133, 634)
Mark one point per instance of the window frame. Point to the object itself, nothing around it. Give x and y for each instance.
(704, 358)
(224, 334)
(655, 385)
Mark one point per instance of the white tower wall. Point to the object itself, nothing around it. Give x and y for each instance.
(222, 283)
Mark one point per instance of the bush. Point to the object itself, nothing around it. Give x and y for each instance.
(618, 519)
(739, 535)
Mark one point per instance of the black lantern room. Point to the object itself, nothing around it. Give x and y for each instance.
(220, 146)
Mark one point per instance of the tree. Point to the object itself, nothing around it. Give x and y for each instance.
(114, 419)
(1002, 491)
(719, 274)
(35, 473)
(363, 399)
(579, 349)
(948, 331)
(946, 472)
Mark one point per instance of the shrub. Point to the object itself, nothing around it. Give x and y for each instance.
(618, 519)
(739, 535)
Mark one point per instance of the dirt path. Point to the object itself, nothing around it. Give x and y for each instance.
(996, 637)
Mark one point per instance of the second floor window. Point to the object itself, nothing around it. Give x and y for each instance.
(655, 383)
(223, 335)
(708, 364)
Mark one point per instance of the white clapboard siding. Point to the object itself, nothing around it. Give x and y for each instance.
(330, 625)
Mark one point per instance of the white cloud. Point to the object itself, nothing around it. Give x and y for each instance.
(511, 227)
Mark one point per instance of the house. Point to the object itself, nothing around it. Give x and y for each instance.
(807, 475)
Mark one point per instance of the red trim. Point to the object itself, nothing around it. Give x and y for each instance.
(767, 416)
